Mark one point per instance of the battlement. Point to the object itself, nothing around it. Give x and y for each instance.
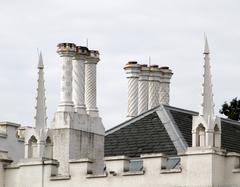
(148, 170)
(10, 141)
(4, 131)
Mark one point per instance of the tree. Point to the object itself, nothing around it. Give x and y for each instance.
(232, 109)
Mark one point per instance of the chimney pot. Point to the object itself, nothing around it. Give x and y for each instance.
(164, 91)
(90, 83)
(66, 52)
(132, 69)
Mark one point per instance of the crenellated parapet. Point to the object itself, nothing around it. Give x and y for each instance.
(10, 141)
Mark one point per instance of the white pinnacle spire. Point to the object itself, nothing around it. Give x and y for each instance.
(207, 105)
(41, 117)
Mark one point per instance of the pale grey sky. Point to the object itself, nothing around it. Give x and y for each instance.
(170, 31)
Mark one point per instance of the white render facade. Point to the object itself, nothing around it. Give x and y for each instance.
(71, 152)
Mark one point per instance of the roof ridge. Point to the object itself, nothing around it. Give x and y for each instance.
(125, 123)
(230, 120)
(181, 109)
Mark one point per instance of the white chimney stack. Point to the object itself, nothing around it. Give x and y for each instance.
(143, 89)
(132, 70)
(154, 85)
(66, 52)
(90, 83)
(79, 79)
(164, 92)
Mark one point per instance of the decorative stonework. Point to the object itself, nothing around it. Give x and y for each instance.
(143, 89)
(164, 93)
(41, 116)
(79, 79)
(154, 85)
(132, 70)
(90, 83)
(66, 52)
(206, 128)
(164, 90)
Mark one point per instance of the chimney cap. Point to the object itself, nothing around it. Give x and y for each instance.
(93, 57)
(94, 53)
(132, 62)
(164, 67)
(66, 48)
(81, 50)
(154, 66)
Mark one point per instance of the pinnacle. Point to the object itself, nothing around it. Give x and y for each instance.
(40, 61)
(206, 47)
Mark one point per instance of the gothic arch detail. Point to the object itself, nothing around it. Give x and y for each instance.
(32, 147)
(48, 148)
(200, 135)
(217, 137)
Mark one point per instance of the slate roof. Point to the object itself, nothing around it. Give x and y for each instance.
(230, 135)
(183, 120)
(230, 138)
(148, 134)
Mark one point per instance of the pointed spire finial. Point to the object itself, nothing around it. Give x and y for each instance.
(207, 105)
(41, 117)
(40, 61)
(87, 42)
(206, 47)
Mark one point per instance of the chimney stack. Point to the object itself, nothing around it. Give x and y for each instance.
(79, 79)
(154, 85)
(164, 92)
(143, 89)
(90, 83)
(66, 52)
(132, 70)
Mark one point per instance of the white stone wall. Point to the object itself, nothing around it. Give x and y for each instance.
(77, 136)
(205, 167)
(10, 142)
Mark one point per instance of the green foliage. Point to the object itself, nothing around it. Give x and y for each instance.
(232, 109)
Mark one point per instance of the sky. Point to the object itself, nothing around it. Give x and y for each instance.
(171, 32)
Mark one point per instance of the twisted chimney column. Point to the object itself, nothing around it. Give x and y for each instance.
(66, 52)
(143, 89)
(90, 83)
(79, 79)
(132, 70)
(164, 92)
(154, 84)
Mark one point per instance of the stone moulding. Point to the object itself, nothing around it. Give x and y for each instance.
(169, 171)
(60, 177)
